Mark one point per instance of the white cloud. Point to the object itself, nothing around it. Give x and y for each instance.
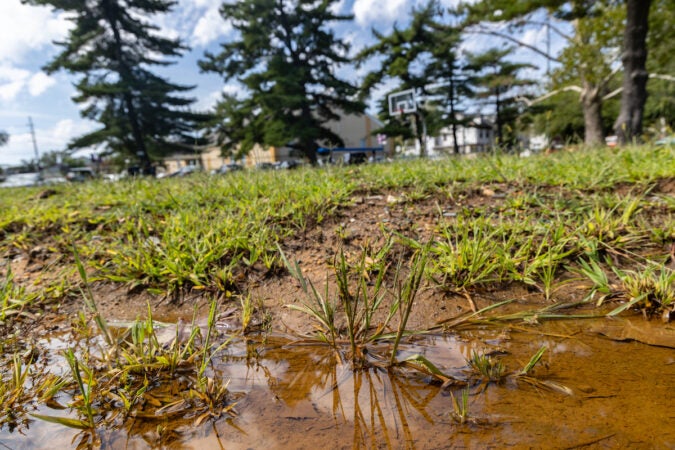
(339, 7)
(12, 74)
(209, 27)
(63, 130)
(385, 12)
(39, 83)
(9, 91)
(14, 80)
(367, 12)
(196, 22)
(204, 3)
(207, 102)
(26, 28)
(535, 37)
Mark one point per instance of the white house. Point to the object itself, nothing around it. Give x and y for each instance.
(476, 136)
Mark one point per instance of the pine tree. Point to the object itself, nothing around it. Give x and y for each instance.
(286, 57)
(413, 57)
(496, 80)
(113, 48)
(451, 80)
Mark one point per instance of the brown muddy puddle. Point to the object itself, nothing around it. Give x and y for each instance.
(296, 395)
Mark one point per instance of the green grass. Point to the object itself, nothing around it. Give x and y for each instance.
(200, 233)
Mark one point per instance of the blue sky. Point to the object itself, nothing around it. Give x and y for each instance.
(26, 44)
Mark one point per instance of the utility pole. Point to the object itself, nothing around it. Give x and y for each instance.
(548, 45)
(35, 147)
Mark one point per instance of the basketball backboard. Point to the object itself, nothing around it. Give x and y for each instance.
(402, 102)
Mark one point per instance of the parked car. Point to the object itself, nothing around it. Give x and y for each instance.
(115, 176)
(287, 165)
(227, 168)
(80, 174)
(185, 171)
(264, 166)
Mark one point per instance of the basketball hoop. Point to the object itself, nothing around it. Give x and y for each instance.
(403, 102)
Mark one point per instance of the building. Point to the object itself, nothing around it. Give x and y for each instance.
(476, 136)
(356, 130)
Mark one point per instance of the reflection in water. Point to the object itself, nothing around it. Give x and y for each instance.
(291, 394)
(309, 385)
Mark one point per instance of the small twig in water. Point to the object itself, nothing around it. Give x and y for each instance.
(594, 441)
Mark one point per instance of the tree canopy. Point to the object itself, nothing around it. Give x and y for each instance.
(497, 82)
(113, 47)
(419, 57)
(588, 61)
(292, 69)
(286, 56)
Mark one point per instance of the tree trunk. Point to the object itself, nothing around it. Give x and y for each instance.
(498, 118)
(309, 149)
(628, 125)
(455, 144)
(592, 105)
(453, 116)
(421, 130)
(125, 76)
(307, 145)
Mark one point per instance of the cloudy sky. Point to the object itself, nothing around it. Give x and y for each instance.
(27, 34)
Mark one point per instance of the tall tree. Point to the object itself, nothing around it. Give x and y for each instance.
(660, 106)
(497, 81)
(286, 56)
(406, 56)
(452, 84)
(587, 62)
(628, 125)
(113, 46)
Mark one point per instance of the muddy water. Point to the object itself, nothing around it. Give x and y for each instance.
(295, 395)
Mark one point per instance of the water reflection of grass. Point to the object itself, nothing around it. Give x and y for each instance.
(133, 377)
(378, 404)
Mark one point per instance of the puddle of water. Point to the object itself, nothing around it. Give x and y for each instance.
(294, 395)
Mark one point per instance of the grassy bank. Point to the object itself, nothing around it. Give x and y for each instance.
(199, 232)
